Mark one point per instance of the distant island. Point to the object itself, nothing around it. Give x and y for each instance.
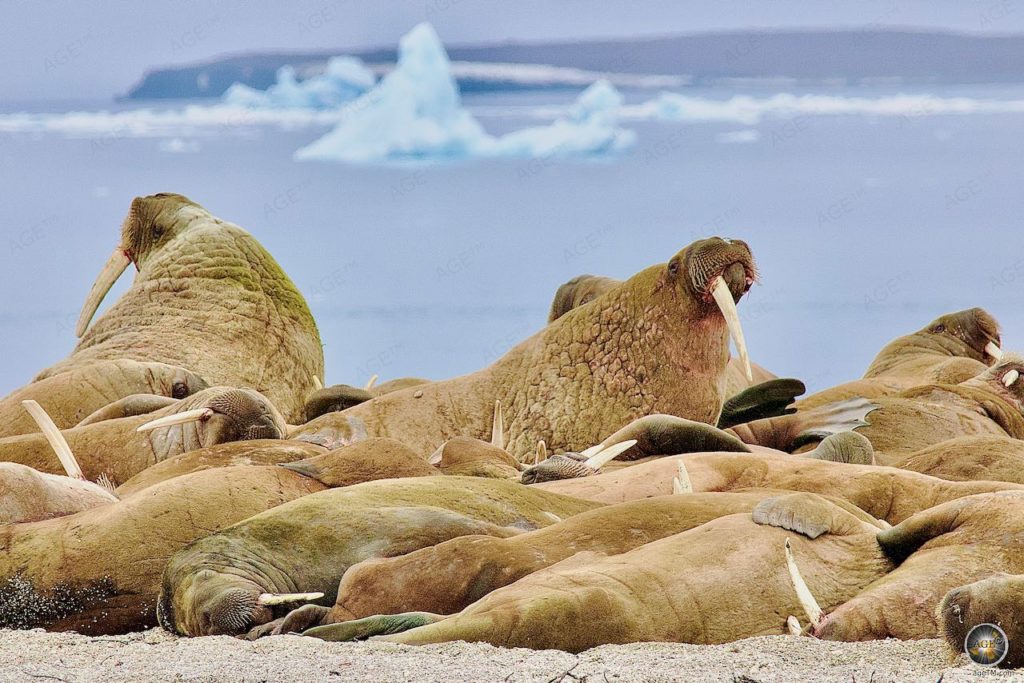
(840, 57)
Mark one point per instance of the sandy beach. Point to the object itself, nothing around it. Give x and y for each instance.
(158, 656)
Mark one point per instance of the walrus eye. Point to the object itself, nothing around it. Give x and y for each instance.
(179, 390)
(673, 267)
(939, 329)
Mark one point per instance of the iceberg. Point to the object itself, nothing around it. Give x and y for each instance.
(416, 114)
(344, 79)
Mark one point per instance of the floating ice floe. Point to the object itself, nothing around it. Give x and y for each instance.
(416, 114)
(343, 80)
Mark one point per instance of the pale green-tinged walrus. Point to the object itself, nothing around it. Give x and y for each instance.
(447, 577)
(72, 396)
(214, 585)
(583, 289)
(951, 349)
(659, 342)
(886, 493)
(208, 298)
(722, 581)
(940, 549)
(117, 449)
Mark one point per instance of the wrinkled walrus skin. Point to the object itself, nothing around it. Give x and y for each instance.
(951, 349)
(945, 547)
(970, 458)
(208, 298)
(211, 587)
(98, 571)
(885, 493)
(996, 600)
(27, 495)
(716, 583)
(71, 396)
(114, 448)
(658, 343)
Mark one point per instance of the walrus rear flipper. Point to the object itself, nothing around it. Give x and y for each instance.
(812, 515)
(767, 399)
(902, 540)
(659, 434)
(790, 432)
(380, 625)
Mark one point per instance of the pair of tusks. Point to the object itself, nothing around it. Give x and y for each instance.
(271, 599)
(61, 447)
(993, 350)
(1010, 378)
(723, 297)
(598, 456)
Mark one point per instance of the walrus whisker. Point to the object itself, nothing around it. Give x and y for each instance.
(993, 350)
(606, 455)
(177, 419)
(681, 482)
(723, 297)
(803, 593)
(793, 625)
(370, 383)
(56, 440)
(270, 599)
(498, 427)
(116, 264)
(1010, 378)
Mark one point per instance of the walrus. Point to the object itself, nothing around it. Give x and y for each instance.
(27, 495)
(718, 582)
(583, 289)
(885, 493)
(448, 577)
(338, 397)
(658, 343)
(208, 298)
(213, 585)
(118, 450)
(950, 349)
(994, 600)
(70, 397)
(939, 549)
(969, 458)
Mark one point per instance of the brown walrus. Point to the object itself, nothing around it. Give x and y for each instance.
(940, 549)
(71, 396)
(715, 583)
(208, 298)
(658, 343)
(951, 349)
(117, 449)
(338, 397)
(995, 600)
(970, 458)
(27, 495)
(583, 289)
(213, 585)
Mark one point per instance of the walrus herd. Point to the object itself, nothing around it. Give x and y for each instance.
(616, 477)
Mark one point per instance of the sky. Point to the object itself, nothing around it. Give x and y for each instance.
(64, 49)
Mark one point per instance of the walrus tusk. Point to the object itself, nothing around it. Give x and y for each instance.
(723, 297)
(370, 383)
(270, 599)
(112, 269)
(56, 440)
(317, 384)
(606, 455)
(593, 450)
(1010, 377)
(498, 427)
(993, 350)
(681, 482)
(793, 625)
(177, 419)
(437, 456)
(289, 430)
(803, 593)
(542, 452)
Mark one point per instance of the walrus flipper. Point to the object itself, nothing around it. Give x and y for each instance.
(809, 514)
(767, 399)
(659, 434)
(902, 540)
(380, 625)
(834, 418)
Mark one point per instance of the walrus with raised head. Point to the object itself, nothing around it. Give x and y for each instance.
(658, 343)
(213, 586)
(119, 450)
(718, 582)
(207, 298)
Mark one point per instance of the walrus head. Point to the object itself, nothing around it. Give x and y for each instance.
(995, 600)
(973, 328)
(213, 416)
(578, 291)
(151, 223)
(1004, 379)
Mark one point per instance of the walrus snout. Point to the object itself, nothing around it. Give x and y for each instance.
(995, 600)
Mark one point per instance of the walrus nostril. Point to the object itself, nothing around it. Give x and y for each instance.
(735, 276)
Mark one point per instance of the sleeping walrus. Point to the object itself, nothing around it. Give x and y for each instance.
(659, 342)
(718, 582)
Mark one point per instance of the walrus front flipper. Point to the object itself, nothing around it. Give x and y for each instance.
(380, 625)
(790, 432)
(670, 435)
(847, 447)
(767, 399)
(811, 515)
(902, 540)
